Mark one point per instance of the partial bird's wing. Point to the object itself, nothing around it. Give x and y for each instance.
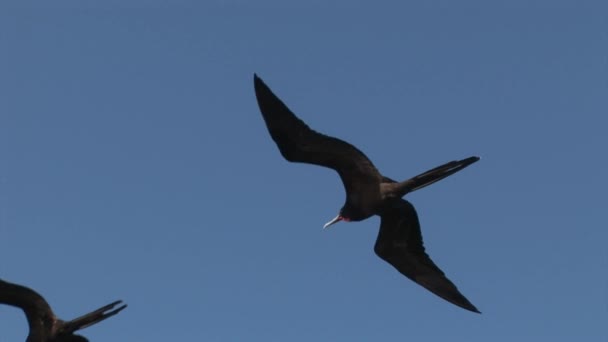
(298, 143)
(400, 244)
(43, 323)
(39, 315)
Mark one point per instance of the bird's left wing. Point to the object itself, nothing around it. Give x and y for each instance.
(400, 244)
(37, 311)
(42, 321)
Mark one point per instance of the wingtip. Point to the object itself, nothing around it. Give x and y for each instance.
(475, 310)
(257, 82)
(468, 306)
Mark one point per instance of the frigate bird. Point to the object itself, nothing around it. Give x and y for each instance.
(43, 324)
(368, 193)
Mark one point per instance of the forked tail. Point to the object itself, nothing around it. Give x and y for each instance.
(93, 317)
(434, 175)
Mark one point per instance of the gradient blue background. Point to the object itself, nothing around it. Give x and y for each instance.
(135, 165)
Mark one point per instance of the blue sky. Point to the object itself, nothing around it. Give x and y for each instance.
(135, 165)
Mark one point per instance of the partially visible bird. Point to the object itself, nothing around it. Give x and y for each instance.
(368, 193)
(43, 324)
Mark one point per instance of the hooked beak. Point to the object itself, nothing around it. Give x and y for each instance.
(336, 219)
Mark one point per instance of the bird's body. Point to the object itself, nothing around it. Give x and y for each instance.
(368, 192)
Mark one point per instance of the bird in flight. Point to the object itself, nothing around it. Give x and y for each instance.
(44, 325)
(368, 193)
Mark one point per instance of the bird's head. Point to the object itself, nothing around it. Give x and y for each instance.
(344, 215)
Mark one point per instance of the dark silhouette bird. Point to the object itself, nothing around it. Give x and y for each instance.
(368, 193)
(44, 325)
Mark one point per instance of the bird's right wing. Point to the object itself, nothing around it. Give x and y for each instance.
(298, 143)
(400, 244)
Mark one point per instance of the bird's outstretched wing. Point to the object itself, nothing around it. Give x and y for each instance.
(298, 143)
(400, 244)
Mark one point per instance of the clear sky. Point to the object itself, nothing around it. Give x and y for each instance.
(135, 165)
